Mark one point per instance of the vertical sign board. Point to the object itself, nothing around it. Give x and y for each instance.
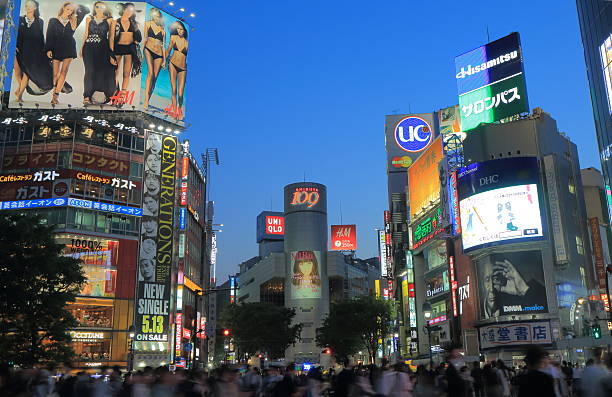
(382, 248)
(388, 248)
(555, 209)
(152, 315)
(600, 266)
(491, 82)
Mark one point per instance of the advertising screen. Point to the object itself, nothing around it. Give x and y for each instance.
(99, 261)
(406, 136)
(437, 284)
(491, 82)
(106, 54)
(499, 202)
(343, 237)
(305, 274)
(511, 283)
(424, 179)
(152, 317)
(606, 62)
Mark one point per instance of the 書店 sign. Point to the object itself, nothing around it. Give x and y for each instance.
(492, 336)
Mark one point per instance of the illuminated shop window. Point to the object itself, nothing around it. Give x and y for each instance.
(93, 316)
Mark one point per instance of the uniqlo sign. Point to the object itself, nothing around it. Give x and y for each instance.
(275, 225)
(343, 238)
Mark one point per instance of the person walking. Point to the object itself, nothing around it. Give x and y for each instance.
(476, 374)
(535, 382)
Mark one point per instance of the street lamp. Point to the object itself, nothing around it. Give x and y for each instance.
(427, 314)
(131, 333)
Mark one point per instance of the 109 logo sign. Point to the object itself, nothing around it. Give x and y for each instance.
(413, 134)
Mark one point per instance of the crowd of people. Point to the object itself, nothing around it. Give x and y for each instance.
(540, 377)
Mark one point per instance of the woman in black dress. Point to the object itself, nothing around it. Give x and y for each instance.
(178, 46)
(32, 67)
(127, 35)
(97, 56)
(154, 51)
(60, 45)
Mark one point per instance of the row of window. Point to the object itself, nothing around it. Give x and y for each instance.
(92, 221)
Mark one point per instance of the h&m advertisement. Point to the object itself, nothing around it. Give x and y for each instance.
(305, 274)
(156, 239)
(107, 54)
(511, 283)
(499, 202)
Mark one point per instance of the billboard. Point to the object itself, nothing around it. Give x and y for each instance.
(343, 237)
(511, 283)
(605, 50)
(305, 274)
(491, 82)
(270, 226)
(424, 179)
(499, 202)
(152, 317)
(406, 136)
(437, 284)
(111, 55)
(450, 123)
(599, 261)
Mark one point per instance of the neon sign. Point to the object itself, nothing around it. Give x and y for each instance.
(427, 229)
(305, 195)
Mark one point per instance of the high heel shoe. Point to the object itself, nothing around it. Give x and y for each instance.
(55, 98)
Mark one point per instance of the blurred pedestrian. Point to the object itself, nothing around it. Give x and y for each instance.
(250, 382)
(535, 382)
(476, 374)
(592, 376)
(456, 384)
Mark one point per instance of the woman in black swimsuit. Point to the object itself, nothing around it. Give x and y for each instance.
(32, 67)
(154, 51)
(127, 35)
(97, 56)
(178, 46)
(60, 45)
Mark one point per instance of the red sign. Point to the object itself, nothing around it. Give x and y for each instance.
(600, 268)
(183, 193)
(187, 333)
(451, 269)
(343, 237)
(305, 195)
(185, 168)
(437, 320)
(178, 326)
(275, 225)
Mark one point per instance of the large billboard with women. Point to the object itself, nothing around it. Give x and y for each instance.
(305, 275)
(100, 55)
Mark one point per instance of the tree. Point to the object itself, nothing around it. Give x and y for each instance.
(261, 327)
(354, 324)
(36, 283)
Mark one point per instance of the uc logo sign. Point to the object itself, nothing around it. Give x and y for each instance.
(413, 134)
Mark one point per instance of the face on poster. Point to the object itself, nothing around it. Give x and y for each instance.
(106, 54)
(512, 283)
(305, 274)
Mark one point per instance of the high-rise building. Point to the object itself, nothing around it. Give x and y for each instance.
(595, 17)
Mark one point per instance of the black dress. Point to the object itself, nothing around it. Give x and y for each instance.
(32, 58)
(60, 38)
(99, 72)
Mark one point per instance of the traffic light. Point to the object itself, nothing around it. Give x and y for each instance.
(596, 331)
(226, 332)
(260, 355)
(327, 350)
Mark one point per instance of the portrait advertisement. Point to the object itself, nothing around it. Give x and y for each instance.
(305, 274)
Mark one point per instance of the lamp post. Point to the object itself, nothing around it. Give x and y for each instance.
(427, 314)
(131, 333)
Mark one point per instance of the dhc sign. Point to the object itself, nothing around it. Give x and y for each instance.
(413, 134)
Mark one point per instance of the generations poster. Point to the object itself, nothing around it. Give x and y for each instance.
(511, 283)
(100, 54)
(305, 274)
(156, 239)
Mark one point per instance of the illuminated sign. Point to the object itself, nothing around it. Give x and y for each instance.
(600, 267)
(451, 270)
(424, 179)
(382, 248)
(40, 176)
(343, 237)
(427, 229)
(388, 247)
(194, 213)
(453, 200)
(185, 168)
(77, 335)
(491, 82)
(437, 284)
(494, 336)
(413, 134)
(178, 326)
(213, 250)
(182, 215)
(114, 182)
(27, 204)
(401, 162)
(305, 195)
(499, 202)
(411, 292)
(94, 205)
(275, 225)
(437, 320)
(181, 247)
(183, 193)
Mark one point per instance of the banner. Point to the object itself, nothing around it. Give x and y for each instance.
(113, 55)
(305, 274)
(515, 334)
(511, 283)
(343, 237)
(156, 240)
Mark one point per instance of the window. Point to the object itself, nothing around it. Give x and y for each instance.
(579, 245)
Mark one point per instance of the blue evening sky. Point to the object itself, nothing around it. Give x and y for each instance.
(287, 87)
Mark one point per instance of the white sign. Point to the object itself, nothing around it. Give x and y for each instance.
(506, 213)
(515, 334)
(383, 253)
(86, 335)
